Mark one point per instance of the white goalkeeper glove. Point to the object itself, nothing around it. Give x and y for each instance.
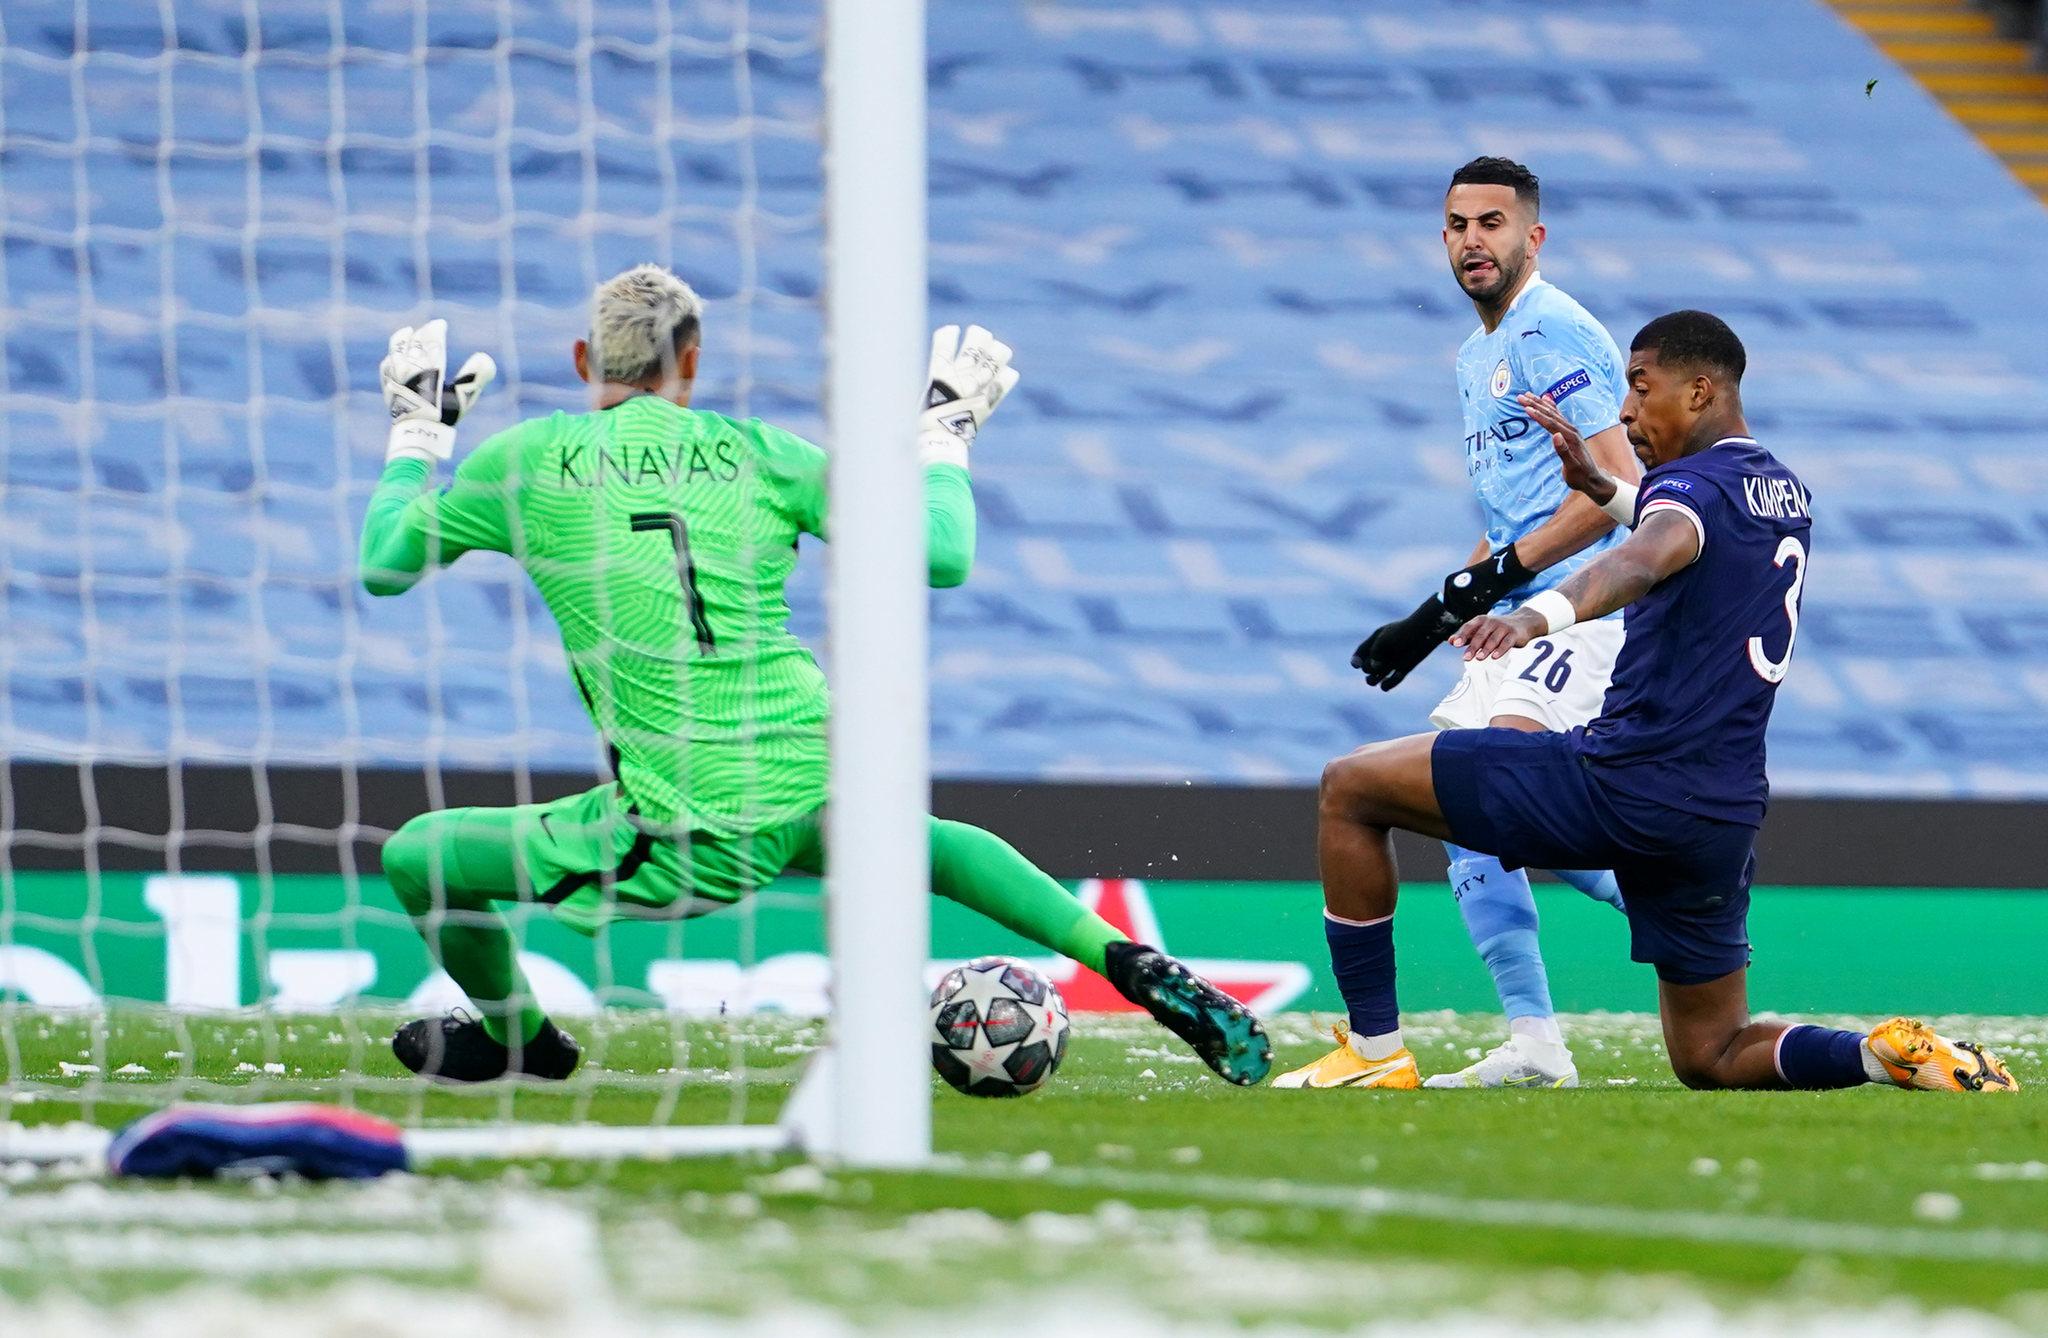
(969, 377)
(425, 403)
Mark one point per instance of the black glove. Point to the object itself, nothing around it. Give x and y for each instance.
(1391, 651)
(1485, 583)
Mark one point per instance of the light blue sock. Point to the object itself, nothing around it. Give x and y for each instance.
(1598, 884)
(1500, 915)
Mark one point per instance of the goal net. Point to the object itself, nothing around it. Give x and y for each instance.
(215, 214)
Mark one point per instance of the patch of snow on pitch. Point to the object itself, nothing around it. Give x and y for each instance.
(2012, 1170)
(1936, 1206)
(537, 1227)
(242, 1254)
(384, 1310)
(395, 1201)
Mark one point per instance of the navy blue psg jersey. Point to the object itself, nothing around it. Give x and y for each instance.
(1683, 724)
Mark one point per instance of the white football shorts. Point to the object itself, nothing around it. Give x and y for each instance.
(1558, 680)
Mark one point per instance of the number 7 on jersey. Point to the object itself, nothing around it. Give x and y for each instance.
(686, 570)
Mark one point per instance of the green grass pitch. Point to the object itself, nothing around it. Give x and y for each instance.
(1135, 1188)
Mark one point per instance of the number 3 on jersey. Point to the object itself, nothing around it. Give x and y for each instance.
(686, 570)
(1770, 670)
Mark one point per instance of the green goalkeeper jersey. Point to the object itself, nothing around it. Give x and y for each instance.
(662, 538)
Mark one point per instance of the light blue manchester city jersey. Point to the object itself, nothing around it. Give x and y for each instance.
(1546, 344)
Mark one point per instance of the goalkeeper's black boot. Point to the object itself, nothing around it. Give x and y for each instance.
(456, 1048)
(1221, 1030)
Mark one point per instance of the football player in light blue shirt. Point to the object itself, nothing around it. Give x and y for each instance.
(1532, 339)
(1545, 344)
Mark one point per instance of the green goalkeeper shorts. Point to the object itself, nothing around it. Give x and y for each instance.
(592, 861)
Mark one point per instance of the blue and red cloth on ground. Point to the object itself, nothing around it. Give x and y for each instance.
(284, 1138)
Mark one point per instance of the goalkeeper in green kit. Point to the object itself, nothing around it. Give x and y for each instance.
(661, 537)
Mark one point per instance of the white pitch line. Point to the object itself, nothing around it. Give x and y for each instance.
(1970, 1245)
(267, 1254)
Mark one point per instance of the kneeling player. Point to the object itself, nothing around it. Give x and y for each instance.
(1532, 337)
(1667, 787)
(661, 537)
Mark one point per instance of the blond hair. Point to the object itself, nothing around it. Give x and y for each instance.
(640, 320)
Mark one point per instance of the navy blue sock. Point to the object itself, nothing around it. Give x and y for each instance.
(1363, 958)
(1816, 1058)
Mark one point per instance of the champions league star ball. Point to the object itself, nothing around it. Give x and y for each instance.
(998, 1028)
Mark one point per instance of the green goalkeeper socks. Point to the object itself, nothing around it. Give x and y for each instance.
(985, 873)
(447, 868)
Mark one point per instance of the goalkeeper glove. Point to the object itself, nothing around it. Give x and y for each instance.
(969, 377)
(1477, 588)
(425, 403)
(1391, 651)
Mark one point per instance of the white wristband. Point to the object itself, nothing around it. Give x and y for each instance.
(1556, 609)
(413, 439)
(936, 446)
(1622, 506)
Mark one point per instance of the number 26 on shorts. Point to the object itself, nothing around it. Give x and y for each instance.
(1559, 673)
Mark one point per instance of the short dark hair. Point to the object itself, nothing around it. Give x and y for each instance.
(1502, 172)
(1694, 339)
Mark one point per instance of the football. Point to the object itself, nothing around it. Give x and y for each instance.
(999, 1028)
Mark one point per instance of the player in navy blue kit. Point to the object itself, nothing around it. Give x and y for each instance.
(1667, 786)
(1531, 337)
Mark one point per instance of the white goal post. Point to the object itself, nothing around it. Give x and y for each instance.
(878, 887)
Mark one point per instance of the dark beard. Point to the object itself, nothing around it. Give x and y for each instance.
(1500, 288)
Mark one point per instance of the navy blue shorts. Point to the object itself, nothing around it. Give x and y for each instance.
(1529, 800)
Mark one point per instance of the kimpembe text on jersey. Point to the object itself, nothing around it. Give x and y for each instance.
(1774, 498)
(585, 466)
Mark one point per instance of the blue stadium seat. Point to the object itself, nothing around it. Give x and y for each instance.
(1210, 230)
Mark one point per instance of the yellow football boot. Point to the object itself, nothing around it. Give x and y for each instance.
(1345, 1067)
(1914, 1056)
